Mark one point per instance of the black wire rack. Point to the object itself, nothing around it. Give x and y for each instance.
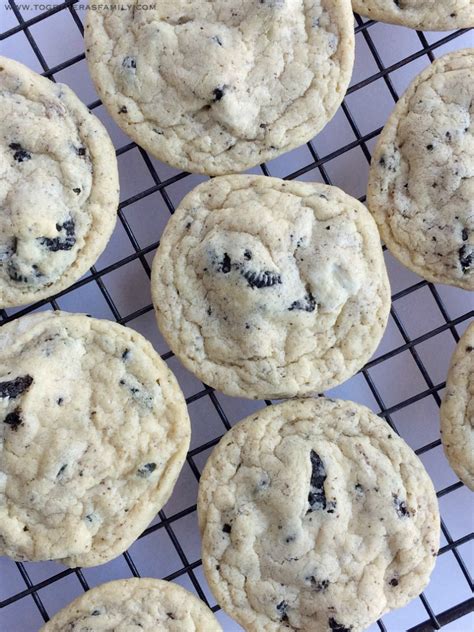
(32, 587)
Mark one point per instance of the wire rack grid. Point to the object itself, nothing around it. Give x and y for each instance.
(403, 383)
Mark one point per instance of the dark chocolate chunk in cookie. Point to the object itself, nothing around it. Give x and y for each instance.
(218, 93)
(317, 496)
(65, 241)
(318, 585)
(225, 265)
(145, 470)
(261, 279)
(466, 257)
(20, 154)
(129, 62)
(338, 627)
(8, 249)
(15, 387)
(15, 273)
(14, 419)
(282, 607)
(400, 507)
(137, 390)
(61, 470)
(306, 304)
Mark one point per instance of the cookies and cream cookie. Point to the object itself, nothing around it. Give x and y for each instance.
(95, 431)
(58, 186)
(427, 15)
(315, 516)
(421, 182)
(268, 289)
(218, 87)
(144, 605)
(457, 410)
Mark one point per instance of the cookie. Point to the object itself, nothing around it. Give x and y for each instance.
(218, 87)
(421, 180)
(95, 432)
(457, 410)
(268, 289)
(147, 605)
(59, 186)
(427, 15)
(315, 516)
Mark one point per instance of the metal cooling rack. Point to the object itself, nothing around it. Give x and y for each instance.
(403, 382)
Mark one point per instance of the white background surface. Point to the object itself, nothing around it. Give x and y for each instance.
(397, 378)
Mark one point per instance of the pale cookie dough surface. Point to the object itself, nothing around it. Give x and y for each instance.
(95, 431)
(421, 181)
(58, 186)
(270, 289)
(217, 87)
(429, 15)
(135, 605)
(457, 410)
(315, 516)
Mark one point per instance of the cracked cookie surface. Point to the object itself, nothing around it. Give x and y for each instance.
(141, 605)
(95, 431)
(270, 289)
(421, 181)
(59, 186)
(315, 516)
(457, 410)
(429, 15)
(218, 87)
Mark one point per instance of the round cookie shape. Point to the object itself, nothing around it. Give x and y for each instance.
(142, 604)
(315, 516)
(427, 15)
(457, 410)
(421, 179)
(95, 432)
(59, 191)
(218, 87)
(270, 289)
